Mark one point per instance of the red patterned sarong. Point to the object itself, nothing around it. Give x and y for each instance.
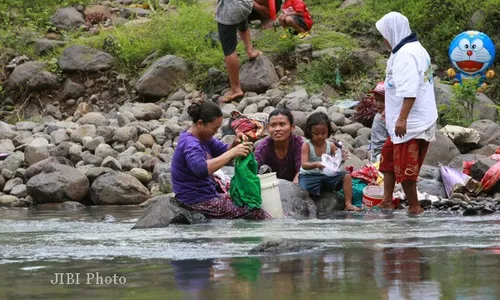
(224, 208)
(404, 160)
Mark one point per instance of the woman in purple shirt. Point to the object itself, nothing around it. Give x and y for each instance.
(281, 150)
(197, 156)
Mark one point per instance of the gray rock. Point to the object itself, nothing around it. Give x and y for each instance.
(488, 130)
(351, 129)
(337, 118)
(140, 12)
(72, 89)
(59, 136)
(361, 141)
(2, 182)
(147, 140)
(19, 191)
(7, 174)
(129, 162)
(94, 172)
(46, 166)
(68, 18)
(7, 200)
(26, 126)
(258, 75)
(162, 77)
(441, 151)
(284, 247)
(75, 153)
(6, 146)
(329, 203)
(172, 130)
(36, 151)
(58, 183)
(13, 161)
(166, 211)
(52, 111)
(10, 184)
(94, 118)
(42, 46)
(299, 118)
(111, 163)
(354, 162)
(251, 109)
(6, 132)
(93, 144)
(297, 101)
(348, 3)
(174, 111)
(432, 187)
(106, 132)
(362, 153)
(61, 150)
(104, 150)
(430, 172)
(146, 111)
(118, 188)
(295, 201)
(125, 134)
(24, 73)
(364, 131)
(275, 96)
(43, 80)
(144, 176)
(85, 130)
(486, 150)
(91, 159)
(84, 59)
(479, 169)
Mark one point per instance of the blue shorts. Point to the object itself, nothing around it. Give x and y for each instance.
(313, 183)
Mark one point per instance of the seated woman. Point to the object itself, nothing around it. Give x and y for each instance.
(281, 149)
(197, 156)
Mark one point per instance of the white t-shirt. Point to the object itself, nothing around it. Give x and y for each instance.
(409, 75)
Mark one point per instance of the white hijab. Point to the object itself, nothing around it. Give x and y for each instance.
(394, 27)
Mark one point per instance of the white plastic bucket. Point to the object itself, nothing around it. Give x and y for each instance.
(372, 195)
(271, 199)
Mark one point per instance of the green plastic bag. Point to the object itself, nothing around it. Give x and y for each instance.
(245, 184)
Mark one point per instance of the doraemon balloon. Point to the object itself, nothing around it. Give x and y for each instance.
(472, 53)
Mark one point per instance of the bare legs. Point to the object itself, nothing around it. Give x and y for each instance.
(410, 189)
(347, 187)
(288, 21)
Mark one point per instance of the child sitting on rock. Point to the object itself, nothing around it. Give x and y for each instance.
(296, 18)
(379, 131)
(311, 176)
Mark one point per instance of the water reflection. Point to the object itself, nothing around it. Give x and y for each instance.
(391, 273)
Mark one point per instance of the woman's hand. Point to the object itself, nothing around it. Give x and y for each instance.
(242, 149)
(400, 127)
(241, 137)
(319, 166)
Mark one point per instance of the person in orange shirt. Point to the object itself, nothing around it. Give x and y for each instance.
(296, 18)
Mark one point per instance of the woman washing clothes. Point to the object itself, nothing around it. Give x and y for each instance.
(197, 156)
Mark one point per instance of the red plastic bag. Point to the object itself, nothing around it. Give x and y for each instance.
(368, 173)
(491, 177)
(467, 165)
(252, 128)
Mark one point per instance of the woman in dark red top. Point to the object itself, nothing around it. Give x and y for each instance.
(296, 16)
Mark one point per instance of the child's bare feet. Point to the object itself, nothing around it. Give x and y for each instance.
(351, 207)
(415, 211)
(386, 205)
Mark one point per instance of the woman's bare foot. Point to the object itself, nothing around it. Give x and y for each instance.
(231, 96)
(386, 205)
(415, 211)
(351, 207)
(254, 54)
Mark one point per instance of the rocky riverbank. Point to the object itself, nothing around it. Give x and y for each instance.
(91, 139)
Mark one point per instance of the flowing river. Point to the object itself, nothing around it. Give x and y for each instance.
(59, 255)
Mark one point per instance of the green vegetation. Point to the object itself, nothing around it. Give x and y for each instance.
(460, 111)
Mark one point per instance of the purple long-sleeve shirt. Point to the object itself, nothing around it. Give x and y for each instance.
(285, 168)
(189, 171)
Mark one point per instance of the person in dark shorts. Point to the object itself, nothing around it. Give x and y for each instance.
(232, 16)
(261, 12)
(296, 16)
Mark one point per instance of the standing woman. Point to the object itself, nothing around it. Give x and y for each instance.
(410, 109)
(197, 156)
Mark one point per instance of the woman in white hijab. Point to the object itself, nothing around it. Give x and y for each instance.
(410, 108)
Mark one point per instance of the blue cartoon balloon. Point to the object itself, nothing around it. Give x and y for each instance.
(471, 53)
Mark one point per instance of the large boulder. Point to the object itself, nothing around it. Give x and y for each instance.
(258, 75)
(6, 132)
(46, 165)
(297, 101)
(24, 73)
(58, 183)
(118, 188)
(431, 187)
(329, 203)
(68, 18)
(84, 59)
(295, 201)
(44, 80)
(458, 161)
(483, 109)
(146, 111)
(162, 77)
(36, 151)
(165, 211)
(43, 46)
(489, 132)
(442, 150)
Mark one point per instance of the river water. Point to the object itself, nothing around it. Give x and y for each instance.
(358, 256)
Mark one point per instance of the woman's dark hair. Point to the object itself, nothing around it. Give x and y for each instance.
(281, 111)
(205, 111)
(317, 118)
